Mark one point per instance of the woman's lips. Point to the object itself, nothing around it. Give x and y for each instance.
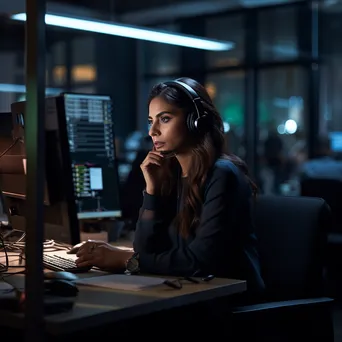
(159, 144)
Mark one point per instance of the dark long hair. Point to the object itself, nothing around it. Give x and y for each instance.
(206, 149)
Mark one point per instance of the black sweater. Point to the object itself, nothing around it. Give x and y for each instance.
(224, 243)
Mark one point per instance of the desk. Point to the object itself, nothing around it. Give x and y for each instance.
(95, 307)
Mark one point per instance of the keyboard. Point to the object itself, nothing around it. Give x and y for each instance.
(57, 263)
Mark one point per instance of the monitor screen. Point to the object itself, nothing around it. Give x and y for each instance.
(336, 141)
(90, 129)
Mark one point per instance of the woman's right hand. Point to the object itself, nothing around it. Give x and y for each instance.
(153, 169)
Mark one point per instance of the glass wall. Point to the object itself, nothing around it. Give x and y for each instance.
(331, 77)
(278, 38)
(11, 82)
(227, 91)
(161, 59)
(282, 107)
(231, 28)
(225, 79)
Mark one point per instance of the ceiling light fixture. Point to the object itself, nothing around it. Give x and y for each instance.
(133, 32)
(19, 88)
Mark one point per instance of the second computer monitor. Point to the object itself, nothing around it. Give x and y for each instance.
(336, 141)
(90, 131)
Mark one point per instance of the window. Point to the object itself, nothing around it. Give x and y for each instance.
(277, 34)
(161, 59)
(56, 64)
(227, 28)
(227, 93)
(331, 77)
(281, 124)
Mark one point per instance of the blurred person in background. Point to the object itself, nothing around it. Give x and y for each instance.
(324, 165)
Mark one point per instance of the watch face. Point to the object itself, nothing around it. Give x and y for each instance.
(133, 265)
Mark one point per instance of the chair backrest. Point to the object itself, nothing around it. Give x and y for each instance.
(292, 235)
(331, 191)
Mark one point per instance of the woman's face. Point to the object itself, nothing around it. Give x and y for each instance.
(168, 128)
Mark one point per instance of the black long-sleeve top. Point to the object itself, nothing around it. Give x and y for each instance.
(223, 244)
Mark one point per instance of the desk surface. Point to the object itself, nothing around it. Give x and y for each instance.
(95, 306)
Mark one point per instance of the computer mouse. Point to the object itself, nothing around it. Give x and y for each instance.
(75, 248)
(60, 287)
(60, 275)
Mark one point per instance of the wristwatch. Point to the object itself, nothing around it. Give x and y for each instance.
(132, 264)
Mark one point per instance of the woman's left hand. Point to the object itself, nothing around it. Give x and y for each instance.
(102, 255)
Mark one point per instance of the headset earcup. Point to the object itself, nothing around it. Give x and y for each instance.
(202, 124)
(190, 120)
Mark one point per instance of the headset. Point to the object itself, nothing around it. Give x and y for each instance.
(198, 122)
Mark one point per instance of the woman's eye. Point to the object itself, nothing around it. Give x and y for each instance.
(165, 119)
(149, 122)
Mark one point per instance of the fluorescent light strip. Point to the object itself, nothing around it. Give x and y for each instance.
(133, 32)
(98, 214)
(19, 88)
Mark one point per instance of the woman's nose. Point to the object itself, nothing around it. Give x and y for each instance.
(154, 131)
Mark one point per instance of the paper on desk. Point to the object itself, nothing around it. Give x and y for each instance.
(121, 282)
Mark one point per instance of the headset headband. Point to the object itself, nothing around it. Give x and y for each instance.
(191, 93)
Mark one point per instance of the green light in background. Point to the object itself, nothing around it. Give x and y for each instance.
(233, 113)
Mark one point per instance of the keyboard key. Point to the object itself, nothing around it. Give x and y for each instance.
(58, 263)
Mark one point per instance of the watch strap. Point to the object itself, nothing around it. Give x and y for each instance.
(132, 264)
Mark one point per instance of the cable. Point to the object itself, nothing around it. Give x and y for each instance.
(18, 246)
(10, 147)
(4, 275)
(48, 246)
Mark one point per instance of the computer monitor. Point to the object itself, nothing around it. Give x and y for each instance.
(60, 218)
(336, 141)
(81, 179)
(90, 129)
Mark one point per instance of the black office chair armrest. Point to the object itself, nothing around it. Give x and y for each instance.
(291, 320)
(335, 238)
(288, 304)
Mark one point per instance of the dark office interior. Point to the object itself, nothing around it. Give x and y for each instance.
(277, 89)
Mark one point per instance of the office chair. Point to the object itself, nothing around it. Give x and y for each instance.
(292, 242)
(331, 191)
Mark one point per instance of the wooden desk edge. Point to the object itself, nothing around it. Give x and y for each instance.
(158, 304)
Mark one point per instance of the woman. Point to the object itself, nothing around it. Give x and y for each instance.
(196, 213)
